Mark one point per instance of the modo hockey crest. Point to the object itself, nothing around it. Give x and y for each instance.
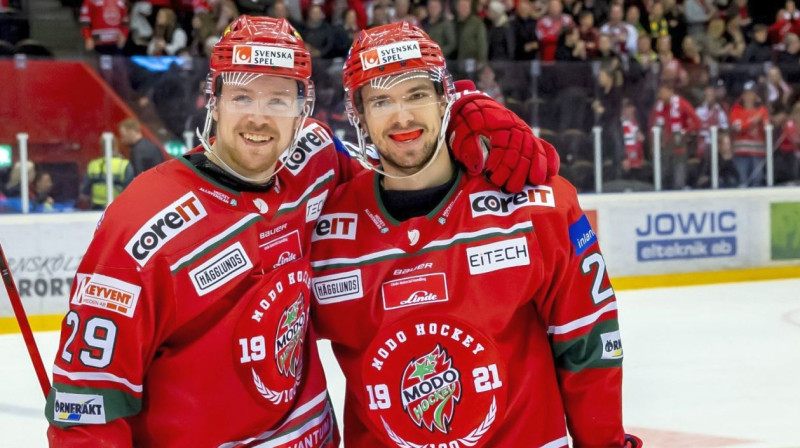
(431, 388)
(289, 337)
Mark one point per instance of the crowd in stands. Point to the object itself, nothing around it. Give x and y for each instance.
(565, 66)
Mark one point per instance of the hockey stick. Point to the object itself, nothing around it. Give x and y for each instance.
(24, 326)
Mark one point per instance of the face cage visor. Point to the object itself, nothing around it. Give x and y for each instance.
(246, 93)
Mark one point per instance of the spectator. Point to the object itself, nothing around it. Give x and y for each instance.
(41, 201)
(141, 31)
(659, 26)
(500, 34)
(168, 37)
(13, 187)
(318, 34)
(676, 21)
(712, 113)
(739, 10)
(623, 35)
(570, 46)
(633, 17)
(759, 50)
(380, 15)
(718, 48)
(786, 21)
(470, 33)
(225, 12)
(609, 58)
(787, 156)
(144, 154)
(402, 12)
(93, 188)
(736, 37)
(440, 28)
(791, 52)
(697, 70)
(633, 137)
(487, 83)
(677, 119)
(642, 80)
(749, 137)
(526, 41)
(672, 71)
(549, 27)
(573, 8)
(698, 14)
(350, 26)
(589, 34)
(202, 29)
(104, 25)
(778, 91)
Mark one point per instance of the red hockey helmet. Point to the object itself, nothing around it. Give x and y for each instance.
(391, 50)
(260, 45)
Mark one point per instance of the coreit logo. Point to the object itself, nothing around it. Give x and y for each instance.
(263, 55)
(164, 226)
(501, 204)
(386, 54)
(341, 226)
(79, 408)
(686, 235)
(312, 139)
(612, 345)
(430, 390)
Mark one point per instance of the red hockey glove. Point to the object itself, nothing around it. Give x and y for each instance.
(632, 442)
(487, 137)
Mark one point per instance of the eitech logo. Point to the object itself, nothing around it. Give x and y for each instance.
(416, 290)
(340, 226)
(312, 139)
(500, 204)
(386, 54)
(106, 293)
(263, 55)
(500, 255)
(166, 225)
(79, 408)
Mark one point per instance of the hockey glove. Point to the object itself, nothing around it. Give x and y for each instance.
(632, 442)
(487, 137)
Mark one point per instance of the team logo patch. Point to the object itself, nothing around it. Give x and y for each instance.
(386, 54)
(79, 408)
(164, 226)
(281, 250)
(289, 338)
(337, 288)
(312, 139)
(434, 381)
(416, 290)
(106, 293)
(612, 345)
(263, 55)
(220, 269)
(431, 388)
(314, 206)
(502, 204)
(336, 226)
(582, 235)
(500, 255)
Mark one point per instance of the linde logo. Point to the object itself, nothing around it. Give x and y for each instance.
(285, 257)
(312, 139)
(341, 226)
(385, 54)
(338, 287)
(166, 225)
(419, 297)
(107, 293)
(500, 204)
(499, 255)
(263, 55)
(79, 408)
(612, 345)
(415, 290)
(220, 269)
(687, 235)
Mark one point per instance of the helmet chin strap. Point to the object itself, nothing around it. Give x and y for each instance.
(440, 142)
(204, 137)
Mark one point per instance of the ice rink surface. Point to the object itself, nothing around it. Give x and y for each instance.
(705, 366)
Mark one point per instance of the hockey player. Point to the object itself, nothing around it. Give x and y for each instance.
(189, 313)
(462, 316)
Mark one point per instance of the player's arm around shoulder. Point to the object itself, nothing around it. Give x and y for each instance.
(579, 308)
(107, 336)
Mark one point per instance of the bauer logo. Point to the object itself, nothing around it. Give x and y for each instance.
(282, 249)
(612, 345)
(686, 235)
(220, 269)
(499, 255)
(106, 293)
(340, 226)
(416, 290)
(166, 225)
(386, 54)
(263, 55)
(338, 287)
(311, 140)
(500, 204)
(79, 408)
(582, 235)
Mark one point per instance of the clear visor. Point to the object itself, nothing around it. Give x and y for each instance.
(408, 91)
(256, 94)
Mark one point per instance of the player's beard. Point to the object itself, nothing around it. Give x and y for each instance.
(414, 164)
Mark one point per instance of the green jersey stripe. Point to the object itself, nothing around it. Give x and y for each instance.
(600, 348)
(289, 206)
(115, 404)
(215, 241)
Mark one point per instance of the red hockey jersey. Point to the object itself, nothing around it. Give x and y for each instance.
(747, 130)
(104, 20)
(188, 315)
(484, 323)
(634, 152)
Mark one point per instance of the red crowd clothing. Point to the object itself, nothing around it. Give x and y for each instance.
(677, 117)
(104, 21)
(788, 23)
(789, 140)
(188, 315)
(748, 136)
(547, 30)
(710, 116)
(634, 151)
(489, 322)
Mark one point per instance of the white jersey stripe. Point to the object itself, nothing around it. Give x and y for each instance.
(298, 432)
(296, 413)
(219, 237)
(97, 376)
(583, 321)
(558, 443)
(320, 180)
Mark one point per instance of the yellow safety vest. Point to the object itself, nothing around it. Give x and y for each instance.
(97, 176)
